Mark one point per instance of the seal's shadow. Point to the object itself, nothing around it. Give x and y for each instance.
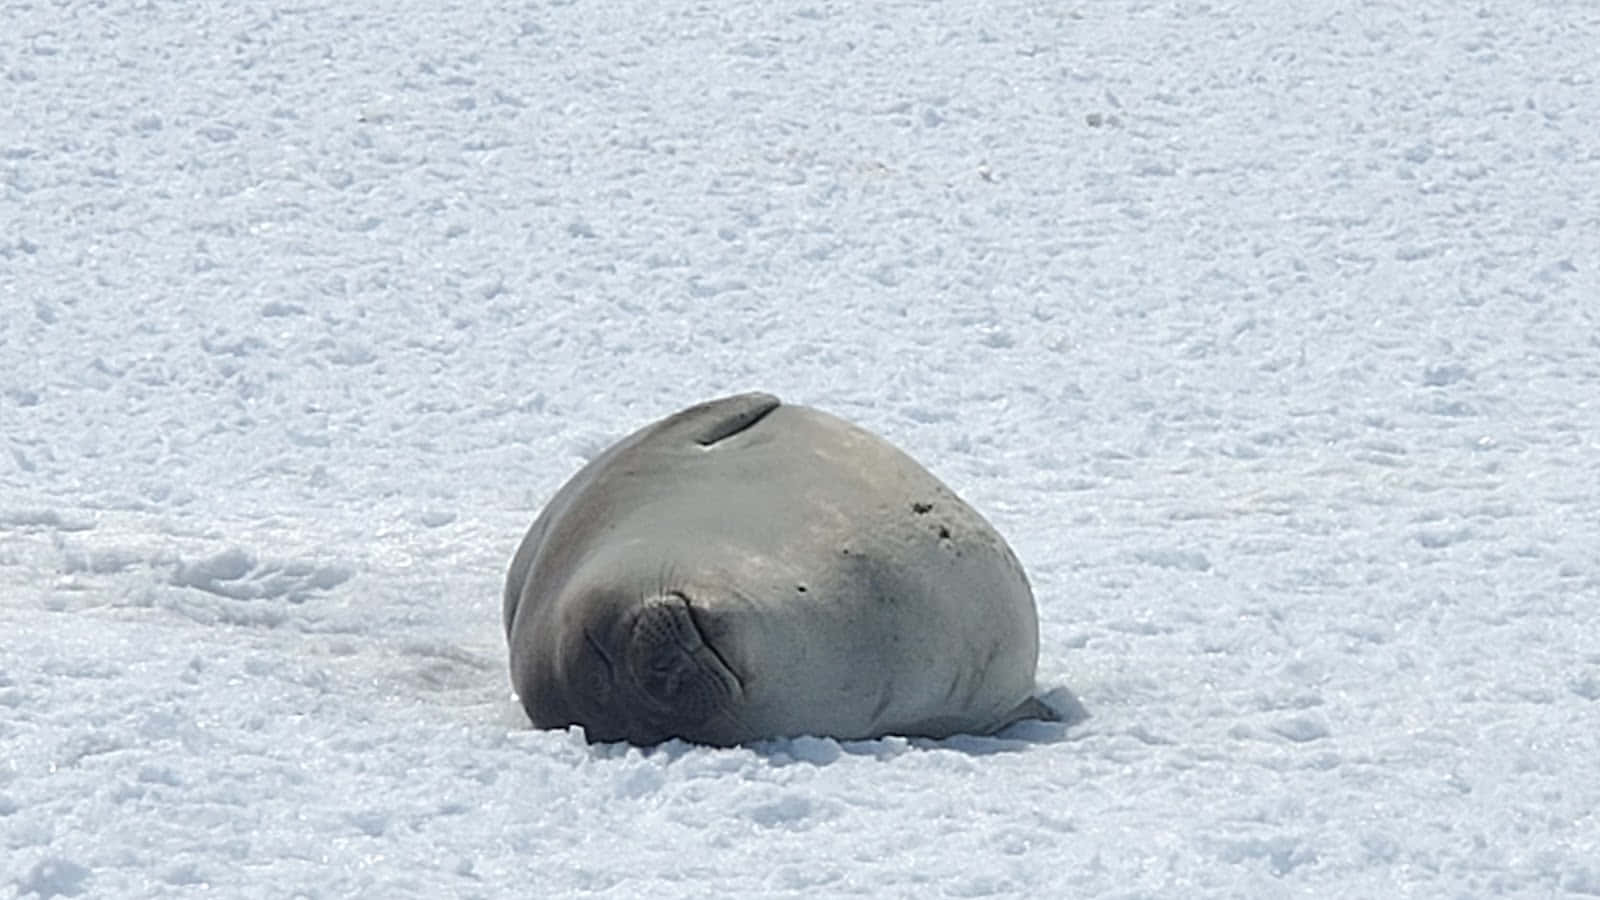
(1069, 711)
(822, 751)
(1015, 738)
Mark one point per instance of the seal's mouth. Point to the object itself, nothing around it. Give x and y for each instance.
(676, 667)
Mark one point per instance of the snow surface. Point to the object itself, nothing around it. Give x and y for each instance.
(1268, 333)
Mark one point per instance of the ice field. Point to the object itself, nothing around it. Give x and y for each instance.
(1268, 334)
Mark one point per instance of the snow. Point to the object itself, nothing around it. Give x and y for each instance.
(1266, 333)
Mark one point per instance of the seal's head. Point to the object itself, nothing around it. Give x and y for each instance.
(640, 670)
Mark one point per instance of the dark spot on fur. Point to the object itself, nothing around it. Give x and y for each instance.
(944, 533)
(921, 508)
(801, 588)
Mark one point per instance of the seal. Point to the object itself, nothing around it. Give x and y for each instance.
(746, 569)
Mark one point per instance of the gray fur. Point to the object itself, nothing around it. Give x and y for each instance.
(745, 569)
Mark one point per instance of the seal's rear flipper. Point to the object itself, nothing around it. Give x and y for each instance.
(716, 420)
(1064, 705)
(1057, 705)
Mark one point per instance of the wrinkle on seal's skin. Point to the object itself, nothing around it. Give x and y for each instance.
(705, 642)
(745, 731)
(955, 685)
(885, 697)
(600, 651)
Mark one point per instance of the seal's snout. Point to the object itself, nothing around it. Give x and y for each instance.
(674, 665)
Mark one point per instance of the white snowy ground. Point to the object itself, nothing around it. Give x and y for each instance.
(1269, 337)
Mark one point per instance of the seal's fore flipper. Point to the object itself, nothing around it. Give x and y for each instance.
(716, 420)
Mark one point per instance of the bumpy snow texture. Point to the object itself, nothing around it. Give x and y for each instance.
(1268, 335)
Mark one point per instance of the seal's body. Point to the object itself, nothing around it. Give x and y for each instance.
(745, 569)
